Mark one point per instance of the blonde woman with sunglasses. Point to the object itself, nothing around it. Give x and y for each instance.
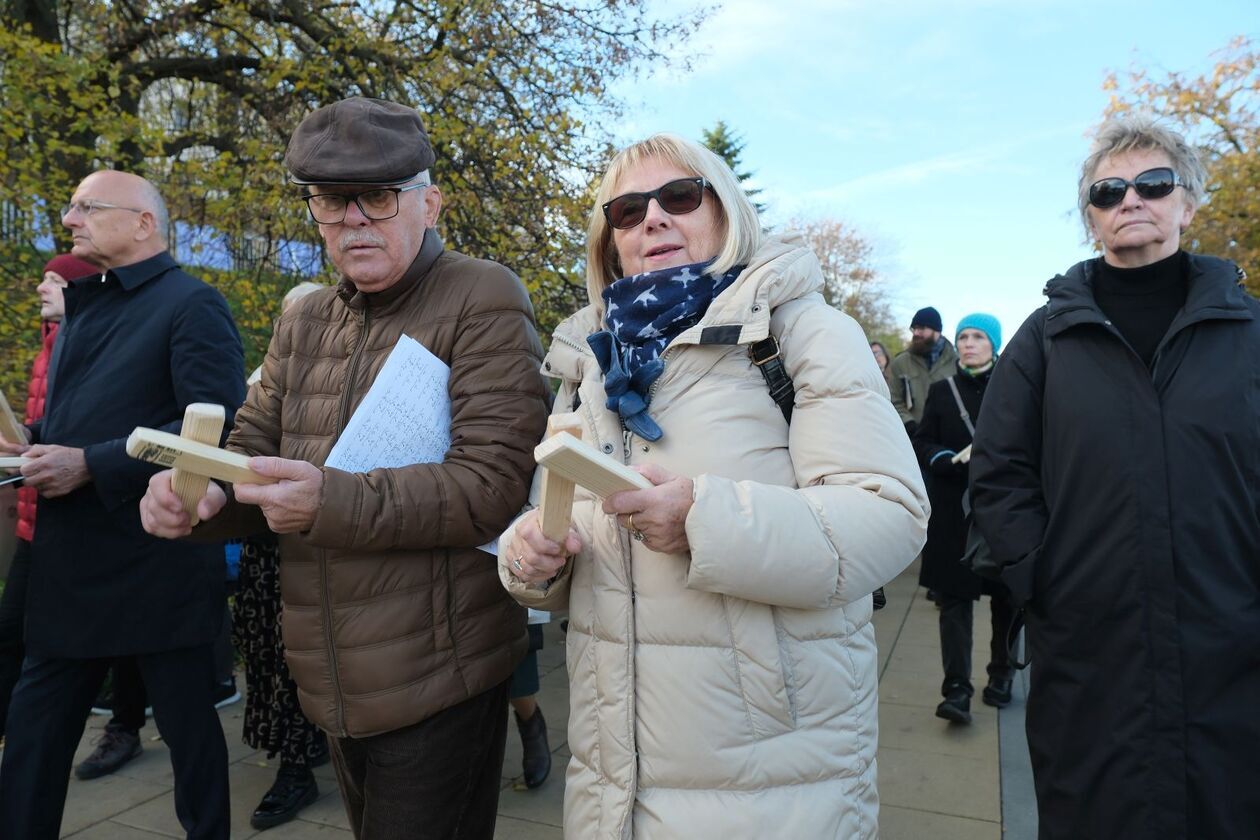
(720, 651)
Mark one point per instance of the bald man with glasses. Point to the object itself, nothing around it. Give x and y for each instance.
(139, 343)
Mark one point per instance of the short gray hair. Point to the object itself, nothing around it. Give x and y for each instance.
(157, 206)
(1120, 135)
(740, 227)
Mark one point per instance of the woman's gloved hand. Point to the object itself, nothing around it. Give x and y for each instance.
(943, 466)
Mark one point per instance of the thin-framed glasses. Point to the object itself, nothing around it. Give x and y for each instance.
(90, 205)
(676, 198)
(377, 204)
(1153, 183)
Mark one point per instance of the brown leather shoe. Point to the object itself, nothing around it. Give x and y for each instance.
(114, 748)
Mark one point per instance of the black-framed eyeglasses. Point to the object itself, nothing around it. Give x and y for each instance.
(1153, 183)
(675, 198)
(377, 204)
(90, 205)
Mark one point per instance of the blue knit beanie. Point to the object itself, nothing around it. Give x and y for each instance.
(987, 324)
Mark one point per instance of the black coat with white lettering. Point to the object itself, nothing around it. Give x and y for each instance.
(1125, 504)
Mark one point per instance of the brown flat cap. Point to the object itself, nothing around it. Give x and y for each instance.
(359, 141)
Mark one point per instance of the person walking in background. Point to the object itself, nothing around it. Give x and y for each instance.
(530, 723)
(274, 720)
(140, 342)
(941, 441)
(720, 652)
(928, 358)
(1116, 477)
(397, 633)
(58, 273)
(882, 359)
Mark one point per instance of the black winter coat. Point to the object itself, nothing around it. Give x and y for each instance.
(943, 431)
(1125, 503)
(133, 350)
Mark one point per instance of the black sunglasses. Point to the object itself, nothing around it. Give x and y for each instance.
(675, 198)
(1153, 183)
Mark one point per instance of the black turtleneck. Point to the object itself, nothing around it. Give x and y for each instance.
(1142, 302)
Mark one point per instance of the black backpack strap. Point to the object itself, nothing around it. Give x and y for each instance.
(765, 355)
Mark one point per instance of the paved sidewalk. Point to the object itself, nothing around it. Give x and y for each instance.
(936, 780)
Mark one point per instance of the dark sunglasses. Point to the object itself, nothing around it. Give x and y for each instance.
(676, 197)
(1153, 183)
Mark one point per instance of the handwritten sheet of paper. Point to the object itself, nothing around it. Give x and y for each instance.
(404, 419)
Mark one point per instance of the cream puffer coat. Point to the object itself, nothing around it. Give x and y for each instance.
(731, 693)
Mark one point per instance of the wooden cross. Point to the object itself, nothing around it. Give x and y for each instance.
(555, 507)
(10, 429)
(203, 422)
(195, 455)
(583, 464)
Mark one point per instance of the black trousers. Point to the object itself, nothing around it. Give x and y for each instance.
(46, 719)
(956, 618)
(12, 617)
(130, 698)
(436, 780)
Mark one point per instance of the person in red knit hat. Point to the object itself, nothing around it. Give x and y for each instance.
(58, 273)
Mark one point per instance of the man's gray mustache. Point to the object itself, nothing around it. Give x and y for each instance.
(350, 240)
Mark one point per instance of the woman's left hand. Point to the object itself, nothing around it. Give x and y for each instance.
(657, 517)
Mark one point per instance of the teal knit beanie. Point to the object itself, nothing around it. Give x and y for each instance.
(987, 324)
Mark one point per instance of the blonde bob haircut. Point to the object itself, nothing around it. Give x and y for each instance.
(740, 228)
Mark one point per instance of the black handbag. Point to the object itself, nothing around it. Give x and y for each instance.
(976, 554)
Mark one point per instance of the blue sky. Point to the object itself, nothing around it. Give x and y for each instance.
(950, 133)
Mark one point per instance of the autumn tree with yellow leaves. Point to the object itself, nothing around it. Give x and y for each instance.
(1220, 112)
(200, 96)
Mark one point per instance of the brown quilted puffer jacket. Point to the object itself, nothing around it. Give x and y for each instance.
(391, 613)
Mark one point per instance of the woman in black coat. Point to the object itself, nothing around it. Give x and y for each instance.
(941, 442)
(1116, 476)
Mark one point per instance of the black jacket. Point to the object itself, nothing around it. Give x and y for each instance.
(1125, 503)
(942, 432)
(133, 350)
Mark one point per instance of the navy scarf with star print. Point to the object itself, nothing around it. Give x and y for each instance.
(642, 315)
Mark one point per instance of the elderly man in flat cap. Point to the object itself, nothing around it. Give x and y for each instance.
(398, 634)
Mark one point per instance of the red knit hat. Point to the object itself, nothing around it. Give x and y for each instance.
(70, 267)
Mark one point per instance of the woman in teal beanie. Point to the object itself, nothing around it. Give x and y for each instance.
(949, 416)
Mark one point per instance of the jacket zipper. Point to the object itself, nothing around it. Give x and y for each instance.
(657, 381)
(323, 554)
(564, 339)
(627, 549)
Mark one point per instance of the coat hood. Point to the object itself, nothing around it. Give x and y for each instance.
(1215, 291)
